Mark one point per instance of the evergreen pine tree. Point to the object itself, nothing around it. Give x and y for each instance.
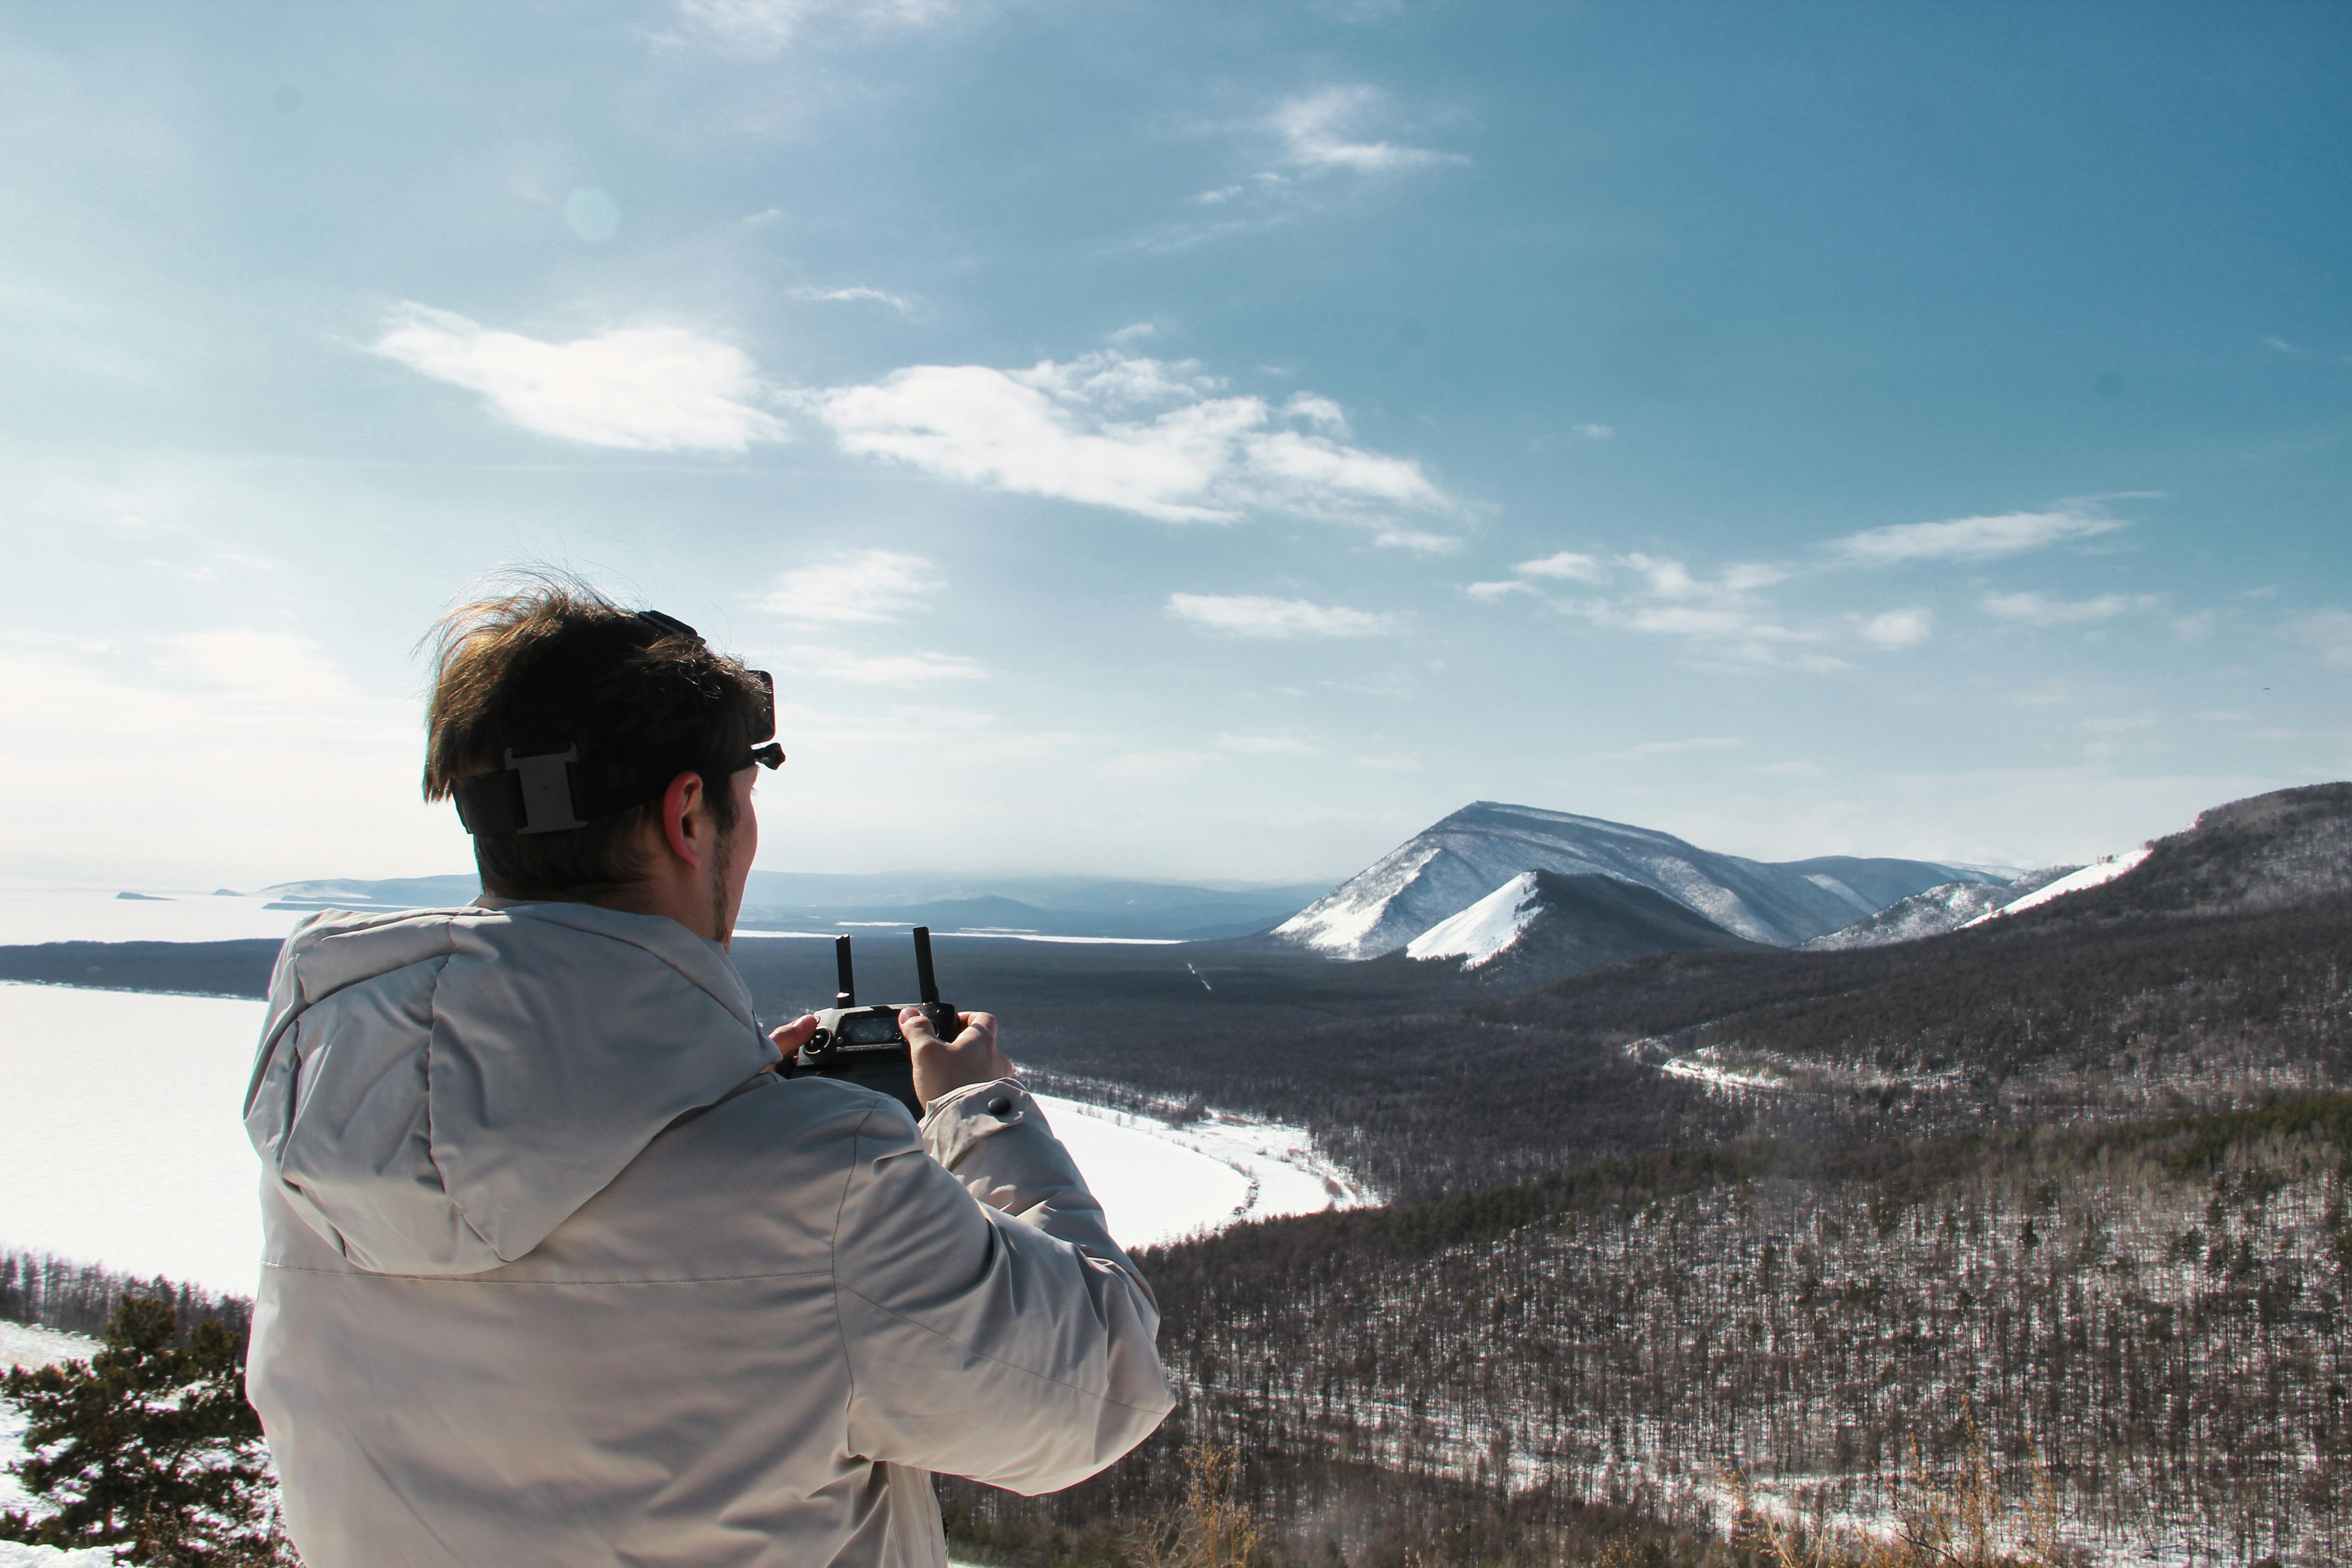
(148, 1446)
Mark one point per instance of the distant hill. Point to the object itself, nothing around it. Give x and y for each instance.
(793, 901)
(1935, 911)
(2282, 850)
(1463, 858)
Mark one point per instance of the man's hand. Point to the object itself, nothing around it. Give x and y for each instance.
(942, 1067)
(790, 1037)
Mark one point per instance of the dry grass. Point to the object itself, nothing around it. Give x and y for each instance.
(1210, 1528)
(1964, 1519)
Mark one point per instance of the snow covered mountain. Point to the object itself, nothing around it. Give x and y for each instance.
(1455, 863)
(1542, 925)
(1937, 910)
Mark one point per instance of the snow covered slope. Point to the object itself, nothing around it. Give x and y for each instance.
(1936, 911)
(1541, 926)
(1456, 862)
(2091, 875)
(1485, 928)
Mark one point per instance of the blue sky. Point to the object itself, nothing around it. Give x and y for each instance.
(1192, 440)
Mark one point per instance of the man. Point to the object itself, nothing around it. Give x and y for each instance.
(557, 1269)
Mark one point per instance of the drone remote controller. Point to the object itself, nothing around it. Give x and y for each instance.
(864, 1044)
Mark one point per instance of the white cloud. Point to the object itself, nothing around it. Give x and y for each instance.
(1152, 764)
(2038, 609)
(854, 293)
(1319, 411)
(1906, 628)
(1417, 541)
(1969, 538)
(235, 681)
(1593, 432)
(2327, 632)
(1746, 576)
(653, 389)
(1791, 770)
(1314, 133)
(839, 664)
(1568, 565)
(1268, 746)
(1395, 763)
(1698, 743)
(1257, 616)
(1145, 435)
(1668, 579)
(221, 710)
(852, 587)
(1724, 616)
(762, 28)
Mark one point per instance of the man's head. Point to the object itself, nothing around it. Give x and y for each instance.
(662, 728)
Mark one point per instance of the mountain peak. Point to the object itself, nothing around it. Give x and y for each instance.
(1470, 853)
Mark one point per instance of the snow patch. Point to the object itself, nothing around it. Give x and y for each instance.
(22, 1344)
(30, 1344)
(1164, 1181)
(1479, 933)
(2091, 875)
(1344, 921)
(17, 1555)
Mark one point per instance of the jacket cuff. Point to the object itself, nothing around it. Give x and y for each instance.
(961, 1118)
(993, 1138)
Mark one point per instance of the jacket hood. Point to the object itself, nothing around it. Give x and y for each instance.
(437, 1091)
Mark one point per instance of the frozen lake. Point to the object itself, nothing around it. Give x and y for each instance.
(37, 912)
(128, 1151)
(31, 913)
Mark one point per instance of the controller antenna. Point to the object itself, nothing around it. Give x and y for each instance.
(847, 996)
(926, 982)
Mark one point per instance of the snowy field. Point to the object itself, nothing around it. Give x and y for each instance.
(127, 1149)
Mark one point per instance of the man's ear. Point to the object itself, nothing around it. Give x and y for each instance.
(686, 820)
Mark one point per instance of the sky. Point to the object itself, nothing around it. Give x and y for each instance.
(1197, 440)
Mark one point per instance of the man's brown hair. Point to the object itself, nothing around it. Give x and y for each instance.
(675, 701)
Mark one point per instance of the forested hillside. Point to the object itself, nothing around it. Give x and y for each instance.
(2150, 1320)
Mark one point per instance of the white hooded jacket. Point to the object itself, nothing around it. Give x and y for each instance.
(557, 1273)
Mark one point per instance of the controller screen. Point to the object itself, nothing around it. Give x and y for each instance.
(869, 1029)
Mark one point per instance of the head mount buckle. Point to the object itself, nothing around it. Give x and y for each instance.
(546, 781)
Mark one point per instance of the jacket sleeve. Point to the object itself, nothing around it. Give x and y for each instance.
(1010, 1338)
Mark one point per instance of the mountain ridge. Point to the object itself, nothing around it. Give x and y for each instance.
(1468, 853)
